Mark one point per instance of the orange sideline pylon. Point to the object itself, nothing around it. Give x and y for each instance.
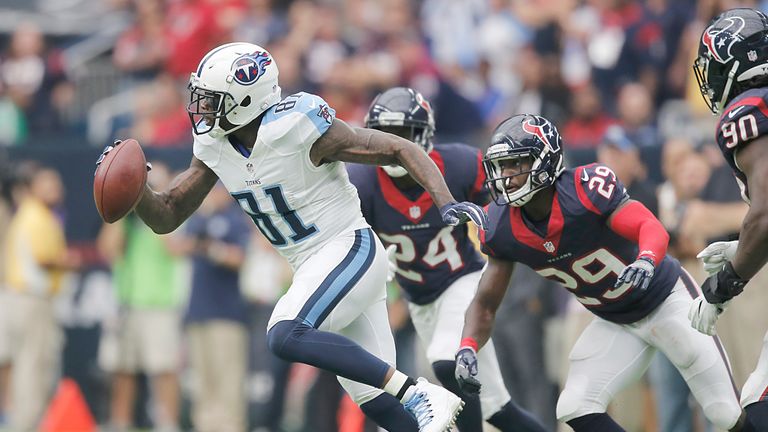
(350, 418)
(68, 411)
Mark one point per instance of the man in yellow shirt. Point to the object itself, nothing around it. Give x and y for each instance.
(35, 262)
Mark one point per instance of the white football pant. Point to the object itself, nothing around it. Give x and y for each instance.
(440, 324)
(343, 288)
(608, 357)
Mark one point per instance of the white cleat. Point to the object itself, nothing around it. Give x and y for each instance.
(434, 407)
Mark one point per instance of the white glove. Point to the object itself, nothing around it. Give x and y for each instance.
(715, 255)
(391, 251)
(703, 315)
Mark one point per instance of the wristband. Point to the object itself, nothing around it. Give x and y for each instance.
(469, 342)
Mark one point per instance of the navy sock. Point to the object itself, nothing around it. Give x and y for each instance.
(599, 422)
(512, 418)
(471, 417)
(757, 417)
(297, 342)
(389, 413)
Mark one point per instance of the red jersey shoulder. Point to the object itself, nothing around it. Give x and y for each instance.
(597, 188)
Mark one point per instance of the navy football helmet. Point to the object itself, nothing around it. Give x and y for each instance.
(405, 112)
(519, 137)
(733, 51)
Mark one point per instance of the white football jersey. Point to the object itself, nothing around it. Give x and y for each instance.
(296, 205)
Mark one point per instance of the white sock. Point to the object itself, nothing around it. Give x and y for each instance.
(395, 384)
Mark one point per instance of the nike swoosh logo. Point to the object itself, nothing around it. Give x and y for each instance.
(734, 111)
(313, 104)
(584, 176)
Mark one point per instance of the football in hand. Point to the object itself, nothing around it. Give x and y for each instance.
(119, 181)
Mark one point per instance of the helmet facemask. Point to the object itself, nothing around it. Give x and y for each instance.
(714, 85)
(392, 122)
(498, 183)
(207, 107)
(403, 112)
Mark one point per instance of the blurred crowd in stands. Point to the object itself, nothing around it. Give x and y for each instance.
(614, 75)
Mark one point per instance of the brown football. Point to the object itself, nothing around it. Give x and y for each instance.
(119, 181)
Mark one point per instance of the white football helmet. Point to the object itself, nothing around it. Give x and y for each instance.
(235, 81)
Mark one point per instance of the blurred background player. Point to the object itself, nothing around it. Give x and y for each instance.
(436, 265)
(217, 315)
(145, 337)
(733, 78)
(580, 227)
(279, 158)
(36, 261)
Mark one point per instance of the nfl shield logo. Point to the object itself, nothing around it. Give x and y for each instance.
(549, 247)
(415, 212)
(249, 167)
(752, 55)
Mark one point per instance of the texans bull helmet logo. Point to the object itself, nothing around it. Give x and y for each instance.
(720, 41)
(543, 130)
(250, 67)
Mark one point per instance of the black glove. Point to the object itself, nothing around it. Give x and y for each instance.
(723, 285)
(466, 371)
(108, 149)
(638, 274)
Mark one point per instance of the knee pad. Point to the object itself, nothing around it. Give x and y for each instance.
(283, 332)
(723, 414)
(445, 373)
(572, 402)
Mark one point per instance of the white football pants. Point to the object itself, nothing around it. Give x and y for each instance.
(439, 325)
(608, 357)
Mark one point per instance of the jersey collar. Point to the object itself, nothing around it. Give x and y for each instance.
(551, 241)
(412, 210)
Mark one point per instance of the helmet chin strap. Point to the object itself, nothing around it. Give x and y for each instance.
(731, 76)
(395, 171)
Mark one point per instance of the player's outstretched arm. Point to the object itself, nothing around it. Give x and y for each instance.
(367, 146)
(482, 311)
(165, 211)
(752, 252)
(343, 143)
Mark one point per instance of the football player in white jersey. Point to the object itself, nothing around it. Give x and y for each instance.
(281, 159)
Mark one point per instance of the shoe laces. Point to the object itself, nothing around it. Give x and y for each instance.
(418, 405)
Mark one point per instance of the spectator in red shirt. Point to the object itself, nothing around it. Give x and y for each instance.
(586, 128)
(142, 49)
(196, 26)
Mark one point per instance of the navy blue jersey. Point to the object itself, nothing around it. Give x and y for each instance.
(430, 254)
(743, 120)
(578, 249)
